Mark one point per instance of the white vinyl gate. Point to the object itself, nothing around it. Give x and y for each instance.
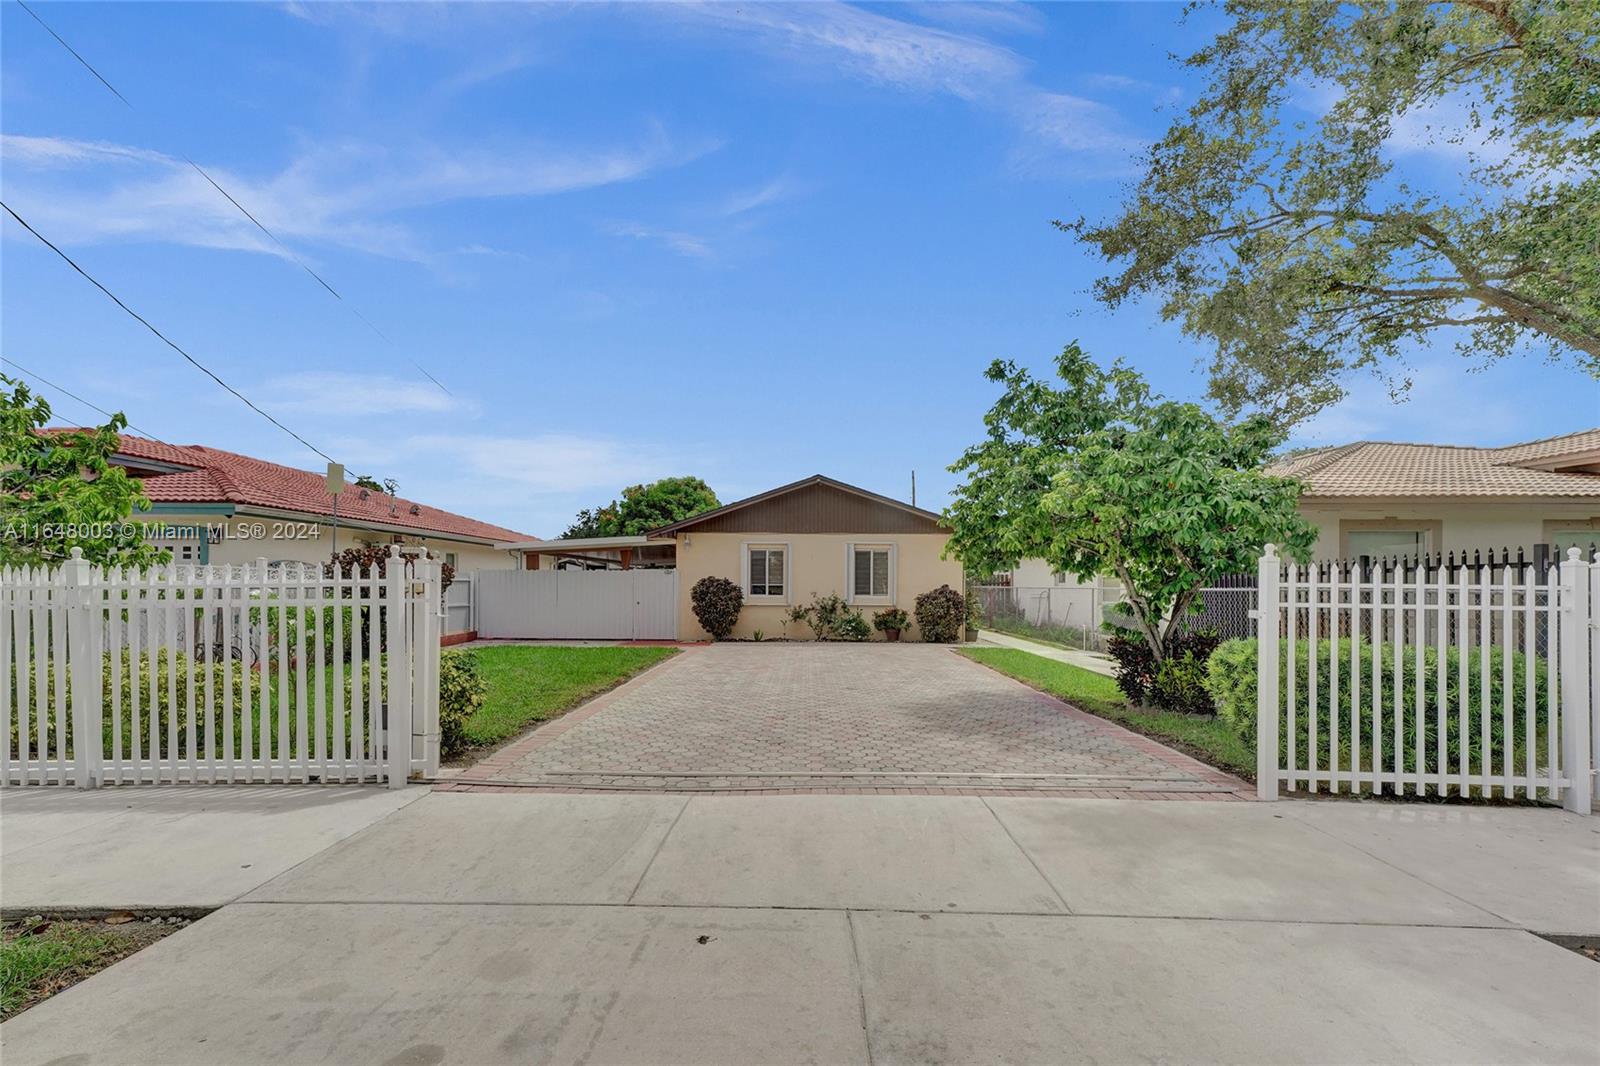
(577, 604)
(219, 674)
(1439, 681)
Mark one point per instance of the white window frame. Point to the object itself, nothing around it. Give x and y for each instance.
(745, 548)
(1421, 531)
(850, 572)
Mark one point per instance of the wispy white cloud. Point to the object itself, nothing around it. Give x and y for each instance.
(747, 200)
(992, 16)
(912, 57)
(1164, 94)
(548, 462)
(339, 194)
(332, 392)
(1430, 414)
(685, 244)
(866, 44)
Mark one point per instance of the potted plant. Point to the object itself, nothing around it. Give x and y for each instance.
(891, 623)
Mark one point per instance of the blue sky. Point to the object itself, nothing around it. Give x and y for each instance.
(746, 242)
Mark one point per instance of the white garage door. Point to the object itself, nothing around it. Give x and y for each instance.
(577, 604)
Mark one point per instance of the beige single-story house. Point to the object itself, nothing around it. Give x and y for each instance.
(1377, 498)
(815, 537)
(210, 506)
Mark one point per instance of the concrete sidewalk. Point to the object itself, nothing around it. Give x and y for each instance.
(481, 928)
(1089, 660)
(170, 847)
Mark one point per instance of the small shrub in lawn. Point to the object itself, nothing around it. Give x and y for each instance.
(940, 613)
(1136, 668)
(1231, 679)
(462, 690)
(716, 602)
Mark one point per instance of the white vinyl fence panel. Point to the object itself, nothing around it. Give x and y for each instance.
(1445, 681)
(207, 674)
(577, 604)
(458, 608)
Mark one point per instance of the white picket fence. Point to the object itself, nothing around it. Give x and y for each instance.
(1448, 681)
(219, 674)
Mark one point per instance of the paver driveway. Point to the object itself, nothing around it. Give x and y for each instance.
(802, 717)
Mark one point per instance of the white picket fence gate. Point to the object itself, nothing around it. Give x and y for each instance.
(1462, 685)
(219, 674)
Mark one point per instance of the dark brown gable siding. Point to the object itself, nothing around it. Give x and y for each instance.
(817, 509)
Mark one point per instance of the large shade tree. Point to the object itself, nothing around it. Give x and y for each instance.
(60, 491)
(1100, 477)
(646, 507)
(1270, 219)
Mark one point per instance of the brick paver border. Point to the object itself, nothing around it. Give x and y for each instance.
(481, 776)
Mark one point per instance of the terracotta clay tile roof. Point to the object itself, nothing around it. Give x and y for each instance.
(217, 476)
(1382, 468)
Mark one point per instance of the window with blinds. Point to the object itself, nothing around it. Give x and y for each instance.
(766, 572)
(871, 571)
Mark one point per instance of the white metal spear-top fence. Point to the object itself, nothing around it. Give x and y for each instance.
(1449, 681)
(219, 674)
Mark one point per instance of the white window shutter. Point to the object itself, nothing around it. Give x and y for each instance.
(850, 572)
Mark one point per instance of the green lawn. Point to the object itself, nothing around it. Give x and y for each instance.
(40, 959)
(529, 684)
(1206, 738)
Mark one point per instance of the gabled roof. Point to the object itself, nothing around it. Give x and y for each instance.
(1568, 465)
(212, 475)
(815, 481)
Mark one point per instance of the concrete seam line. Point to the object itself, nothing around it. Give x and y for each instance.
(1018, 845)
(661, 844)
(1415, 877)
(422, 791)
(861, 983)
(813, 909)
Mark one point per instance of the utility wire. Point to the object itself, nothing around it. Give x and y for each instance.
(41, 379)
(163, 337)
(231, 199)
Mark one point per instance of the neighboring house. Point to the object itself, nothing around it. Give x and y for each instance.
(1375, 498)
(814, 537)
(1044, 596)
(212, 506)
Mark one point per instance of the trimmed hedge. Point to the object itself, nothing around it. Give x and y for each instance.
(462, 690)
(940, 613)
(154, 710)
(1231, 679)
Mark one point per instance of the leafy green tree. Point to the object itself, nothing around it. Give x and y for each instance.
(1101, 478)
(60, 491)
(1290, 243)
(590, 522)
(646, 507)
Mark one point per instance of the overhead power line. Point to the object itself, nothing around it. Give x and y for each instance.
(198, 169)
(41, 379)
(162, 336)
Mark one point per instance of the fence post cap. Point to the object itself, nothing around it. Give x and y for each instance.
(1573, 554)
(1270, 551)
(77, 553)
